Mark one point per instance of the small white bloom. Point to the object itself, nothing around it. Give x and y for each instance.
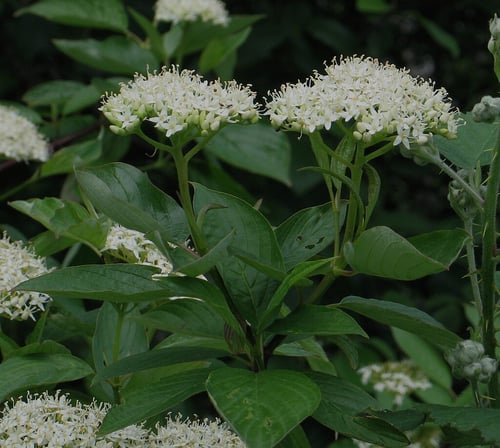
(132, 246)
(176, 101)
(176, 11)
(18, 264)
(20, 139)
(400, 378)
(382, 101)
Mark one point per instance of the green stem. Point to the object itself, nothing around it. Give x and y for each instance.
(441, 164)
(488, 267)
(471, 262)
(321, 152)
(181, 165)
(356, 176)
(154, 143)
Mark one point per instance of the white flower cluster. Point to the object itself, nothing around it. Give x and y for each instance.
(53, 421)
(132, 246)
(382, 100)
(400, 378)
(176, 11)
(19, 263)
(175, 101)
(20, 139)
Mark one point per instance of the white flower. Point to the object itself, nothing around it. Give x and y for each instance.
(186, 433)
(382, 101)
(132, 246)
(400, 378)
(20, 139)
(54, 421)
(175, 11)
(177, 101)
(19, 263)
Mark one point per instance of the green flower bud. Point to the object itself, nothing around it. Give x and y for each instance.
(488, 369)
(487, 111)
(494, 44)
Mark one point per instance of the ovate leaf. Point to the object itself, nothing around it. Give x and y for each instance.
(128, 197)
(109, 14)
(305, 234)
(255, 148)
(262, 407)
(474, 143)
(107, 55)
(144, 401)
(37, 369)
(317, 319)
(253, 235)
(382, 252)
(401, 316)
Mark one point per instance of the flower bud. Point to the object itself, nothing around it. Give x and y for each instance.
(494, 43)
(487, 111)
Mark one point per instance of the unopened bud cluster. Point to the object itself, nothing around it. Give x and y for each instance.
(494, 43)
(487, 110)
(467, 360)
(461, 200)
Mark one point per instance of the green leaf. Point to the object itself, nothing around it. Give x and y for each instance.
(219, 49)
(317, 319)
(68, 158)
(39, 369)
(474, 143)
(114, 282)
(154, 37)
(256, 148)
(81, 99)
(401, 316)
(187, 316)
(440, 36)
(342, 402)
(373, 6)
(382, 252)
(140, 403)
(374, 185)
(305, 234)
(86, 13)
(298, 273)
(158, 358)
(197, 34)
(50, 93)
(203, 264)
(424, 356)
(67, 219)
(200, 289)
(474, 426)
(112, 331)
(107, 55)
(128, 197)
(262, 407)
(249, 288)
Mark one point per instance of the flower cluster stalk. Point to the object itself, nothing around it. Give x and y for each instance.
(488, 267)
